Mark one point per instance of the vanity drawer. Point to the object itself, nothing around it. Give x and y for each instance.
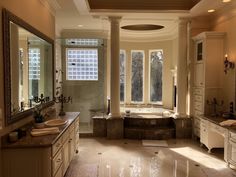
(198, 98)
(198, 91)
(56, 146)
(217, 129)
(198, 106)
(56, 163)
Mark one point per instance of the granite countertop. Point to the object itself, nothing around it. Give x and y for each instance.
(29, 141)
(217, 120)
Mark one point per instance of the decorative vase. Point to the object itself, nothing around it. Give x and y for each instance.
(39, 125)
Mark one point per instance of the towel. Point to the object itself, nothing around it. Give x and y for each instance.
(44, 131)
(228, 123)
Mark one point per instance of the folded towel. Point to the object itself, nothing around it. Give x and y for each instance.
(44, 132)
(45, 129)
(228, 123)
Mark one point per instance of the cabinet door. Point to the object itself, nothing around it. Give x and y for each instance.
(199, 74)
(65, 154)
(203, 133)
(72, 145)
(232, 152)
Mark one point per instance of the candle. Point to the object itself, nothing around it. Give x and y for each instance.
(226, 56)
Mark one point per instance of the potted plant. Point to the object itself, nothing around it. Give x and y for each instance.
(38, 117)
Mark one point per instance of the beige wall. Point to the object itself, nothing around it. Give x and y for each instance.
(169, 62)
(228, 25)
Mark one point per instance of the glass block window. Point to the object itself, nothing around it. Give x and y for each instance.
(122, 75)
(82, 64)
(137, 76)
(82, 42)
(34, 63)
(156, 65)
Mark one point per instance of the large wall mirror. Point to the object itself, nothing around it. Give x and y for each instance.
(28, 68)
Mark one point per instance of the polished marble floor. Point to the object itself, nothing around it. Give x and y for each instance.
(99, 157)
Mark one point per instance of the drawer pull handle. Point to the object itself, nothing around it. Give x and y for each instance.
(58, 160)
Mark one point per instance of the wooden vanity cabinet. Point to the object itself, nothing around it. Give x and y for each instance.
(43, 161)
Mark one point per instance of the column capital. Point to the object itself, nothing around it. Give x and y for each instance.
(184, 21)
(114, 18)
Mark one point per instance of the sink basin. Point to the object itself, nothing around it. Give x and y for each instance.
(55, 122)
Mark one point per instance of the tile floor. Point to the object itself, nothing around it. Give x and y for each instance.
(100, 157)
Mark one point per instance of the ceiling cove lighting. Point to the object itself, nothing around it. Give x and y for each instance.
(211, 10)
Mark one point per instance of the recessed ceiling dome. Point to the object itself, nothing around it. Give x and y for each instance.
(142, 27)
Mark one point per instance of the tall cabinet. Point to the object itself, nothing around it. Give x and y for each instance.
(208, 71)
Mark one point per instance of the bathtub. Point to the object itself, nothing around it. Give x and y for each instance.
(147, 112)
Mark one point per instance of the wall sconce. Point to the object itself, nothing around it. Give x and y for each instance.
(228, 64)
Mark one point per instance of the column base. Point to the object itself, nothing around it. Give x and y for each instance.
(115, 127)
(180, 115)
(183, 127)
(114, 116)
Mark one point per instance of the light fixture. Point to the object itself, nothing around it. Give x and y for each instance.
(211, 10)
(226, 0)
(80, 26)
(228, 64)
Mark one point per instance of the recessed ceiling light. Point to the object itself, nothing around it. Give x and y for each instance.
(226, 0)
(211, 10)
(80, 26)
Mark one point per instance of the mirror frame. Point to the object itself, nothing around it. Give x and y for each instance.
(8, 17)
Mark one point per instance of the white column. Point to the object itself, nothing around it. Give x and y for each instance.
(182, 78)
(115, 68)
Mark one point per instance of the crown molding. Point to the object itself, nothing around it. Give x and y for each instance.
(51, 5)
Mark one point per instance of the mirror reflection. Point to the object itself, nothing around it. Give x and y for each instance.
(31, 61)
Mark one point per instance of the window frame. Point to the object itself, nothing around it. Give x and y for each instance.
(125, 71)
(149, 77)
(137, 102)
(66, 62)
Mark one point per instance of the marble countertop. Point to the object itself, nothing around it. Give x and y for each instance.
(217, 120)
(41, 141)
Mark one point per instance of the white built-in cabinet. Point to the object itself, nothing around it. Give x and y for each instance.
(212, 135)
(208, 71)
(43, 161)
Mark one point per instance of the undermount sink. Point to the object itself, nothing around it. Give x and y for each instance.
(55, 122)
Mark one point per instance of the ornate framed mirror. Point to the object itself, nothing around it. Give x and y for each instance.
(28, 68)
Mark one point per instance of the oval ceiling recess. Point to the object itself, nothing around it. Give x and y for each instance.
(142, 27)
